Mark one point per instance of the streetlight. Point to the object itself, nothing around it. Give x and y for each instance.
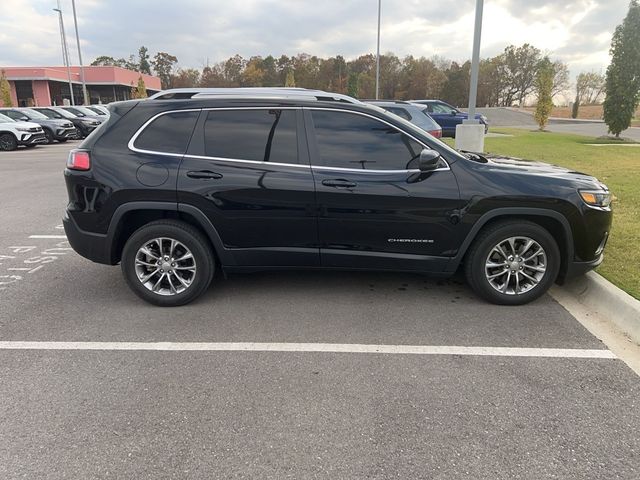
(65, 51)
(378, 53)
(84, 84)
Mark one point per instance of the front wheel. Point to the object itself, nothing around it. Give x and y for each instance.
(8, 142)
(48, 134)
(168, 263)
(513, 262)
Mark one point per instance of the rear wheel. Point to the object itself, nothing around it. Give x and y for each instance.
(8, 142)
(168, 263)
(512, 263)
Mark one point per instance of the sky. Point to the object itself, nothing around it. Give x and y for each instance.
(577, 32)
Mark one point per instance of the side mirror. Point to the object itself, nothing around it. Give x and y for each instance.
(429, 160)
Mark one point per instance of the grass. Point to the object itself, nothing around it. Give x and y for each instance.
(618, 167)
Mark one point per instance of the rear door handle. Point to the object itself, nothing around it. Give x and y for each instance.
(204, 175)
(339, 183)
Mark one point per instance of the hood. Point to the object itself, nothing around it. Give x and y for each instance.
(22, 124)
(528, 167)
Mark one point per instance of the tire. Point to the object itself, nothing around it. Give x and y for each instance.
(48, 134)
(62, 140)
(8, 142)
(33, 145)
(516, 280)
(164, 283)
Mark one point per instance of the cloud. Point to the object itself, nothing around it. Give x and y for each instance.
(197, 31)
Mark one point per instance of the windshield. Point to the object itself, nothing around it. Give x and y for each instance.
(65, 113)
(4, 118)
(49, 113)
(416, 130)
(84, 110)
(33, 114)
(96, 110)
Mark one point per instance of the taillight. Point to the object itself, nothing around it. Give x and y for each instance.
(436, 133)
(79, 160)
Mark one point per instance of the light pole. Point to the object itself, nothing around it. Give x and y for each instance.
(475, 62)
(378, 54)
(470, 133)
(65, 51)
(85, 97)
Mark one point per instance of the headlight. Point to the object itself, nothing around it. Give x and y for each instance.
(23, 129)
(596, 198)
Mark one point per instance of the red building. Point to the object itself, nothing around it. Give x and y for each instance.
(44, 86)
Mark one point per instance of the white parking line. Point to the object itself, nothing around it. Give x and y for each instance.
(313, 347)
(48, 236)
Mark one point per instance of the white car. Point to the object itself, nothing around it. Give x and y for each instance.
(14, 133)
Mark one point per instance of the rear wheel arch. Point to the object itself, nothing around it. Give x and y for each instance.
(130, 217)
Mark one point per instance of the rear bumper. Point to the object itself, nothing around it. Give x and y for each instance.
(94, 246)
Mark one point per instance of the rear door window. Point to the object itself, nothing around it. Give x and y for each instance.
(262, 135)
(168, 133)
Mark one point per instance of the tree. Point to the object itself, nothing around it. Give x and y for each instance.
(518, 66)
(253, 74)
(104, 61)
(291, 80)
(140, 91)
(589, 87)
(143, 60)
(352, 85)
(163, 64)
(560, 77)
(185, 78)
(623, 74)
(5, 90)
(544, 89)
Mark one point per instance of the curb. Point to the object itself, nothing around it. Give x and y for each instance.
(604, 298)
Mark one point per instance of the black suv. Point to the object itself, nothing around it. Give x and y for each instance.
(190, 181)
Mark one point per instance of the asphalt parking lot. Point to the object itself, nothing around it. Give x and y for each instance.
(458, 388)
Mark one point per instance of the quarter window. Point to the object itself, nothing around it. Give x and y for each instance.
(267, 135)
(401, 112)
(169, 133)
(348, 140)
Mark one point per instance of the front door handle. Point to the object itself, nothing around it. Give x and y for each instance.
(339, 183)
(204, 175)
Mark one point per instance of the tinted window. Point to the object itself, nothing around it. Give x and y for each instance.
(442, 108)
(260, 135)
(401, 112)
(349, 140)
(169, 133)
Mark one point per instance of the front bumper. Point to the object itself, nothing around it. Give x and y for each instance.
(65, 133)
(32, 139)
(575, 269)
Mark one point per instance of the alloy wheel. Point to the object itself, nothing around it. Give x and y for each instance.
(515, 265)
(165, 266)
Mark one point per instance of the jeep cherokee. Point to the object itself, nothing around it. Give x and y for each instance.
(190, 181)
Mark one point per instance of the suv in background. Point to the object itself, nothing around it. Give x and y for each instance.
(100, 110)
(13, 134)
(448, 117)
(189, 181)
(54, 129)
(415, 113)
(84, 126)
(83, 112)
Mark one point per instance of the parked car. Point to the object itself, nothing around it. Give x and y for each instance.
(83, 112)
(415, 113)
(448, 116)
(14, 133)
(190, 181)
(84, 125)
(54, 129)
(100, 110)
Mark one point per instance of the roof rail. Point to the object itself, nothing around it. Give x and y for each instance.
(382, 100)
(254, 92)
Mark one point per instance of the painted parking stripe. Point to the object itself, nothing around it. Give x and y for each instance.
(313, 347)
(48, 236)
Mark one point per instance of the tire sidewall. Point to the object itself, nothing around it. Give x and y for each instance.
(195, 243)
(12, 138)
(481, 252)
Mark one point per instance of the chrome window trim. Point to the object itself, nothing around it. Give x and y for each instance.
(132, 147)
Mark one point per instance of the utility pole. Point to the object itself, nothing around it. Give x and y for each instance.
(85, 96)
(65, 51)
(378, 54)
